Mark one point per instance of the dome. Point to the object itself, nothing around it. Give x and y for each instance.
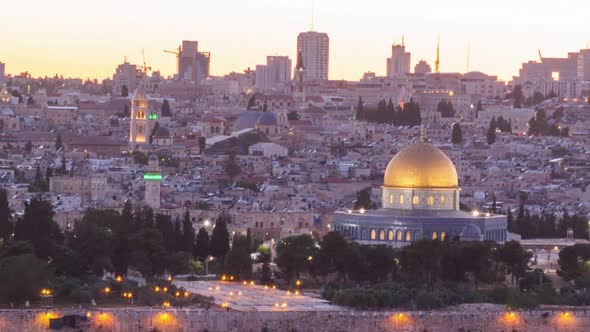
(246, 120)
(162, 132)
(421, 165)
(153, 157)
(470, 232)
(267, 119)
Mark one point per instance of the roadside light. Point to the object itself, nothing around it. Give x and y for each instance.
(119, 279)
(296, 292)
(362, 210)
(252, 282)
(107, 290)
(245, 282)
(274, 287)
(276, 304)
(157, 289)
(310, 258)
(165, 289)
(169, 278)
(223, 278)
(298, 282)
(88, 314)
(284, 305)
(231, 277)
(185, 294)
(177, 294)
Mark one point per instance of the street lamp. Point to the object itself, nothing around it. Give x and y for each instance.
(207, 223)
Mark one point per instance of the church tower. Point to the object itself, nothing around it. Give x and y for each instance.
(298, 89)
(138, 121)
(152, 178)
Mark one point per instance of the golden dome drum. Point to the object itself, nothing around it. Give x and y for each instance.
(421, 165)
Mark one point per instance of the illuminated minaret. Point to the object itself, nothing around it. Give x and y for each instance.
(152, 180)
(437, 62)
(138, 121)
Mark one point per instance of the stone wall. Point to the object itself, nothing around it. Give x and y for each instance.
(121, 319)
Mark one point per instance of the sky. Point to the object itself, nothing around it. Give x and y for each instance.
(89, 39)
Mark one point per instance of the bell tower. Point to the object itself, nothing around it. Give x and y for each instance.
(138, 121)
(152, 178)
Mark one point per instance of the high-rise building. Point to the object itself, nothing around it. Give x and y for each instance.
(275, 75)
(2, 72)
(152, 183)
(315, 50)
(126, 79)
(204, 64)
(188, 68)
(399, 63)
(584, 65)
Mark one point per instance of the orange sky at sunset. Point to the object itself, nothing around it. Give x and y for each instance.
(80, 39)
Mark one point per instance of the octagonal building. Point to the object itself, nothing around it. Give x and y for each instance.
(420, 200)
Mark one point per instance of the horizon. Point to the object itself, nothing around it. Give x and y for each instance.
(91, 44)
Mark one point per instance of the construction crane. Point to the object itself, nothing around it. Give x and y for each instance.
(177, 53)
(540, 56)
(144, 67)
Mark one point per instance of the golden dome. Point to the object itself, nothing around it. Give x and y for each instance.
(421, 165)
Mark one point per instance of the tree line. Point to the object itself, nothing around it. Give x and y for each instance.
(387, 112)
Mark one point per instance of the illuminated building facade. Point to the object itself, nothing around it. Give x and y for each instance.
(420, 200)
(139, 129)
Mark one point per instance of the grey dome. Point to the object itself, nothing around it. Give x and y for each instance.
(471, 232)
(246, 120)
(267, 119)
(162, 132)
(153, 157)
(7, 112)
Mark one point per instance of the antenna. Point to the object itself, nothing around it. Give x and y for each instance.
(437, 62)
(312, 13)
(403, 44)
(468, 56)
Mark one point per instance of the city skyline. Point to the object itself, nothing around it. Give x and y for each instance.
(92, 43)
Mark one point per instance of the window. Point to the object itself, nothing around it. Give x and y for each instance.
(434, 235)
(430, 200)
(373, 234)
(256, 224)
(390, 235)
(442, 199)
(382, 235)
(408, 236)
(401, 199)
(390, 198)
(443, 236)
(415, 200)
(399, 235)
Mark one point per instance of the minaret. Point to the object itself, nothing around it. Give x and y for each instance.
(437, 62)
(152, 178)
(138, 121)
(298, 90)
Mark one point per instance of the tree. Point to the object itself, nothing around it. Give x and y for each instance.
(363, 200)
(514, 259)
(188, 233)
(30, 101)
(21, 277)
(48, 174)
(166, 109)
(177, 235)
(252, 101)
(293, 115)
(518, 96)
(124, 91)
(219, 245)
(491, 135)
(29, 146)
(238, 261)
(165, 226)
(478, 109)
(422, 260)
(573, 262)
(38, 227)
(63, 169)
(446, 109)
(293, 254)
(202, 144)
(457, 134)
(93, 244)
(232, 167)
(58, 142)
(148, 255)
(202, 245)
(5, 216)
(265, 272)
(360, 111)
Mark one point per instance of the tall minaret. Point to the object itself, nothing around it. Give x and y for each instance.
(152, 183)
(298, 90)
(138, 121)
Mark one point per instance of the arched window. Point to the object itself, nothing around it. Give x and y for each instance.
(390, 198)
(408, 236)
(430, 200)
(443, 236)
(442, 199)
(401, 199)
(415, 200)
(434, 235)
(390, 235)
(382, 235)
(399, 235)
(373, 234)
